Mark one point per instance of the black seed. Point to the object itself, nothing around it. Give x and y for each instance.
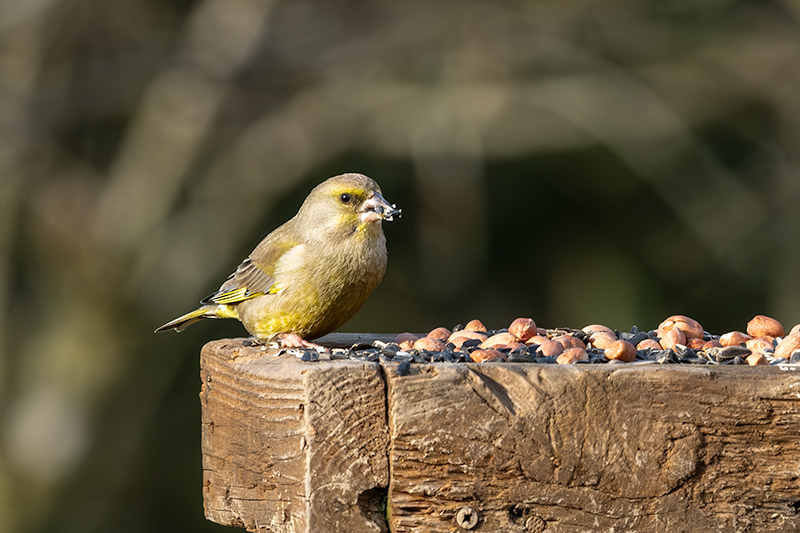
(515, 357)
(695, 361)
(644, 355)
(634, 338)
(310, 356)
(684, 352)
(665, 356)
(450, 357)
(403, 368)
(419, 358)
(582, 336)
(390, 349)
(728, 353)
(471, 343)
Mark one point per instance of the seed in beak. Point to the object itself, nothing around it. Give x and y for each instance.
(389, 214)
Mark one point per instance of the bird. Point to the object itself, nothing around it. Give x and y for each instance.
(311, 274)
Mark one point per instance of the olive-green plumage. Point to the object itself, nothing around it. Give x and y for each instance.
(310, 275)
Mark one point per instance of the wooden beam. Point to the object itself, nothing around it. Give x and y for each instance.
(293, 446)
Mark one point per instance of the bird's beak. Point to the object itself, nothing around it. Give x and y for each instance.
(376, 208)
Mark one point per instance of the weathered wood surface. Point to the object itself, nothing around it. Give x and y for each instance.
(292, 446)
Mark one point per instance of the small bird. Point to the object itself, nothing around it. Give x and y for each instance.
(310, 275)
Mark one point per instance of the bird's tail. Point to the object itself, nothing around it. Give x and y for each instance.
(182, 322)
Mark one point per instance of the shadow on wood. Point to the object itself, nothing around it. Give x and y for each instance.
(290, 446)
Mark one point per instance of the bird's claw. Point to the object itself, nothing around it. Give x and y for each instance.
(293, 340)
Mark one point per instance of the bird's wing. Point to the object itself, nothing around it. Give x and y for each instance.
(253, 277)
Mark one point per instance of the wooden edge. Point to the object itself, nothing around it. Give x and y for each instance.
(347, 340)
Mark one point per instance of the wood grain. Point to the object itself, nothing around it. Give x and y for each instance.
(291, 446)
(595, 448)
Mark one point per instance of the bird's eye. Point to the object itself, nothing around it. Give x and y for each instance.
(345, 198)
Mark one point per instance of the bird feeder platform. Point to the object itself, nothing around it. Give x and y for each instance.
(347, 446)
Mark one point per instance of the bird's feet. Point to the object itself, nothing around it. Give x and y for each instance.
(293, 340)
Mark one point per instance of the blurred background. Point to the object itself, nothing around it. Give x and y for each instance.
(575, 162)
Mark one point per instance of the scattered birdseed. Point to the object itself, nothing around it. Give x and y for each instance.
(455, 349)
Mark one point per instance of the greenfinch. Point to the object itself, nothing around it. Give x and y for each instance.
(310, 275)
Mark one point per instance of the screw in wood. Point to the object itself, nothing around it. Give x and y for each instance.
(535, 524)
(467, 517)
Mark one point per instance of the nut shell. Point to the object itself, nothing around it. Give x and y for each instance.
(406, 345)
(499, 340)
(672, 337)
(648, 343)
(536, 339)
(440, 333)
(603, 339)
(788, 345)
(523, 328)
(695, 344)
(475, 325)
(568, 341)
(572, 355)
(759, 345)
(459, 337)
(734, 338)
(713, 343)
(597, 328)
(484, 356)
(761, 326)
(549, 348)
(429, 343)
(402, 337)
(621, 351)
(756, 359)
(691, 328)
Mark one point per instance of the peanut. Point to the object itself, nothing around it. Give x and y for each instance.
(762, 325)
(475, 325)
(572, 355)
(622, 351)
(483, 356)
(691, 328)
(523, 328)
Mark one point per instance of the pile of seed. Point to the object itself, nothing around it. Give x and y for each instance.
(678, 339)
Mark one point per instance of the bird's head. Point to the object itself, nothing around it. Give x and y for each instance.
(346, 204)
